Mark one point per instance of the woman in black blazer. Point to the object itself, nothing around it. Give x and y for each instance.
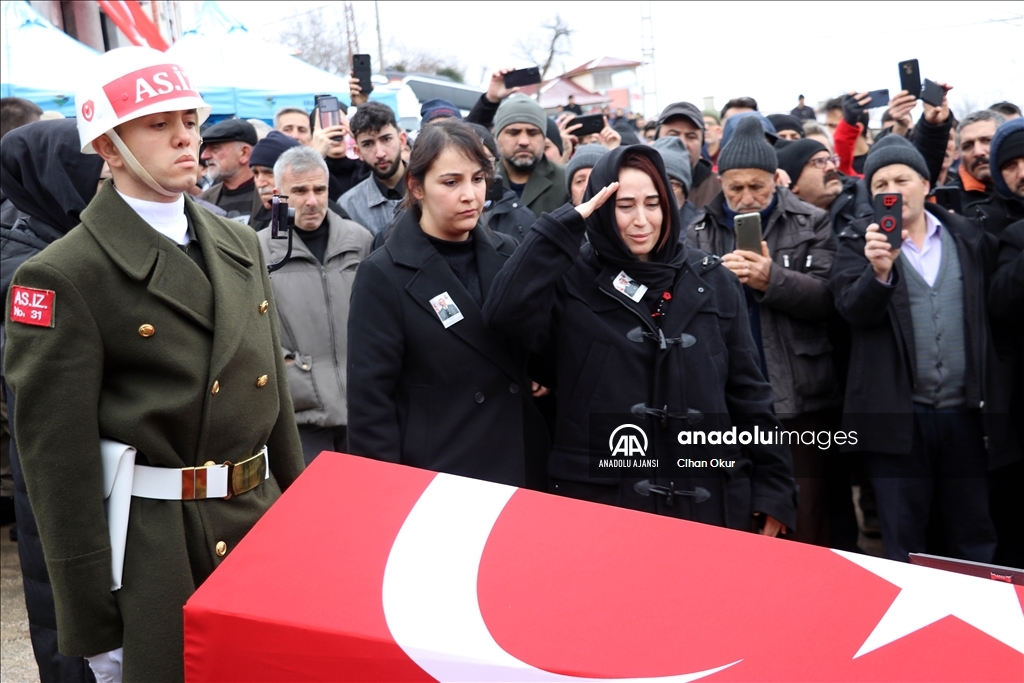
(429, 385)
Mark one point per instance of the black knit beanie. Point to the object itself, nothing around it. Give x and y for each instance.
(748, 149)
(794, 155)
(267, 150)
(893, 149)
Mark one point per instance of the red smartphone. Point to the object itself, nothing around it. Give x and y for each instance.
(889, 216)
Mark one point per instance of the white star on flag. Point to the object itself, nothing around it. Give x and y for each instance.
(928, 595)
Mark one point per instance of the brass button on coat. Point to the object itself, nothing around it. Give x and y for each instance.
(221, 548)
(261, 381)
(264, 306)
(146, 330)
(216, 387)
(209, 463)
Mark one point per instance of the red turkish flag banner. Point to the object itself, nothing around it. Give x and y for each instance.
(368, 571)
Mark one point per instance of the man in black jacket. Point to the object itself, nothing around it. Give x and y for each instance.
(816, 179)
(924, 390)
(686, 122)
(1006, 203)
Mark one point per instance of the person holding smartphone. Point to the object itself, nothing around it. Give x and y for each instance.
(926, 393)
(652, 333)
(429, 384)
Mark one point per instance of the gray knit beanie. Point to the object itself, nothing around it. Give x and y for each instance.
(748, 149)
(520, 109)
(677, 160)
(586, 156)
(893, 149)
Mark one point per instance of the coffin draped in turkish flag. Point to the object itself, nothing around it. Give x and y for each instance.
(367, 571)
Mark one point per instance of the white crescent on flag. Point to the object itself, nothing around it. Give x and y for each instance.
(430, 589)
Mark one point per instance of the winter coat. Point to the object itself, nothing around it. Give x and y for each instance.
(1006, 302)
(510, 217)
(312, 304)
(796, 306)
(367, 206)
(560, 300)
(453, 399)
(879, 403)
(852, 202)
(705, 184)
(205, 382)
(212, 195)
(546, 188)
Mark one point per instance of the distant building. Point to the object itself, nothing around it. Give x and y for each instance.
(605, 81)
(107, 25)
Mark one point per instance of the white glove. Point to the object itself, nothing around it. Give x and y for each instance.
(107, 666)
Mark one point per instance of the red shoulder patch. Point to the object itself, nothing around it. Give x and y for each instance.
(32, 306)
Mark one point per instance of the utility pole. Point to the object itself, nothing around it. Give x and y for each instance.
(650, 88)
(380, 41)
(350, 32)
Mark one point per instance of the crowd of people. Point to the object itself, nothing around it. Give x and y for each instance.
(473, 297)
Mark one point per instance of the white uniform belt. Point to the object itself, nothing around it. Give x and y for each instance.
(198, 483)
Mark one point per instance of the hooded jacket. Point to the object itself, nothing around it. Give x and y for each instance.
(50, 182)
(1002, 207)
(611, 363)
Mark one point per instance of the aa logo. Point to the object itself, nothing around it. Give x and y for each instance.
(628, 440)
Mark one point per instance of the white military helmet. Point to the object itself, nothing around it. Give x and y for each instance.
(128, 83)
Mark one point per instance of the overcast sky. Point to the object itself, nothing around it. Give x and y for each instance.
(770, 51)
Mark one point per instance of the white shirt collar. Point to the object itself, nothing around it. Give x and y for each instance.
(168, 219)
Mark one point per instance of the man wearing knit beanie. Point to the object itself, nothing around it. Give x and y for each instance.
(677, 166)
(261, 161)
(787, 127)
(577, 172)
(520, 127)
(938, 391)
(812, 171)
(1006, 204)
(788, 303)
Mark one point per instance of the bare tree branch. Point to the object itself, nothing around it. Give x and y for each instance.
(543, 51)
(413, 60)
(322, 39)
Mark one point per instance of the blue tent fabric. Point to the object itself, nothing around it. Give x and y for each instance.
(238, 73)
(41, 63)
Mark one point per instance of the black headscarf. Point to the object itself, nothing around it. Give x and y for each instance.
(660, 272)
(45, 174)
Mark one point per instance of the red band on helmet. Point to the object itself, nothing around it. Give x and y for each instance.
(148, 86)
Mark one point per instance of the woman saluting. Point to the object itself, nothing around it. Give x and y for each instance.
(429, 384)
(646, 332)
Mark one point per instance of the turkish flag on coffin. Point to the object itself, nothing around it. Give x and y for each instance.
(367, 571)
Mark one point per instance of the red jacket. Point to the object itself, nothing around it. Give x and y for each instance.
(845, 141)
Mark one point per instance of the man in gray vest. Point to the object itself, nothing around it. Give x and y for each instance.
(925, 391)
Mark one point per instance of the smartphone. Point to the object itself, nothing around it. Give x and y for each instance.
(496, 190)
(910, 77)
(590, 124)
(879, 98)
(362, 69)
(748, 232)
(281, 217)
(889, 216)
(948, 198)
(932, 93)
(521, 77)
(329, 110)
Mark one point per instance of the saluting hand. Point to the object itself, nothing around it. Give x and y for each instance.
(587, 208)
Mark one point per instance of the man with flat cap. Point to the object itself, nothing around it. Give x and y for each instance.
(227, 148)
(686, 122)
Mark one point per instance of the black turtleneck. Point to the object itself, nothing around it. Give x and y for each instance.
(461, 258)
(316, 240)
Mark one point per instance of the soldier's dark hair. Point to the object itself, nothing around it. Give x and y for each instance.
(371, 117)
(16, 112)
(432, 142)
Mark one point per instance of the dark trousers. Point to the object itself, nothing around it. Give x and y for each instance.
(316, 439)
(944, 473)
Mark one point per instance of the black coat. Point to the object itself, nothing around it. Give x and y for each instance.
(454, 399)
(510, 217)
(1006, 303)
(554, 296)
(879, 404)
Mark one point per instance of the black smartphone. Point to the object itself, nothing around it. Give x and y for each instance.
(879, 98)
(496, 190)
(932, 93)
(521, 77)
(590, 124)
(362, 69)
(748, 232)
(948, 197)
(889, 216)
(281, 217)
(910, 77)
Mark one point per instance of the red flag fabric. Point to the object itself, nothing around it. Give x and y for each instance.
(370, 571)
(129, 16)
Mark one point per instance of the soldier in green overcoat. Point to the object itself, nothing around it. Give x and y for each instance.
(152, 323)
